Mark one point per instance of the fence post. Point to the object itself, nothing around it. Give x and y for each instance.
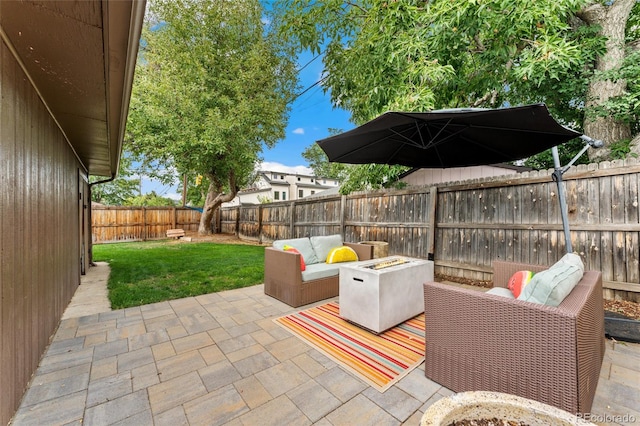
(260, 223)
(343, 202)
(238, 220)
(144, 224)
(293, 220)
(218, 220)
(433, 210)
(174, 219)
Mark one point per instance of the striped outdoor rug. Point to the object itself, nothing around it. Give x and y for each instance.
(380, 360)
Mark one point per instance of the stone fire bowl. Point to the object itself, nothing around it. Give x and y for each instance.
(487, 405)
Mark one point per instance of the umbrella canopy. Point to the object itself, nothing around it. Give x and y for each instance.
(449, 138)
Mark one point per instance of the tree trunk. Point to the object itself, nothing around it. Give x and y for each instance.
(635, 146)
(613, 20)
(215, 197)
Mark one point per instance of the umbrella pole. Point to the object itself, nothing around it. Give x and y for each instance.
(557, 177)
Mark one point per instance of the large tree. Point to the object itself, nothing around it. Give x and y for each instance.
(382, 55)
(613, 97)
(212, 88)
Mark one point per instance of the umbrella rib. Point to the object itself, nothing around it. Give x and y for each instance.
(409, 141)
(339, 157)
(432, 140)
(406, 141)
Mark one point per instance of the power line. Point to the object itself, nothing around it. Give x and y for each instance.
(308, 97)
(313, 59)
(310, 87)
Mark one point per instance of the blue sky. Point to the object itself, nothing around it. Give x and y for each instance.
(310, 118)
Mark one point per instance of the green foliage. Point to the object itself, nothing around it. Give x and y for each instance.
(212, 88)
(624, 107)
(148, 200)
(150, 272)
(406, 55)
(117, 191)
(619, 150)
(632, 30)
(373, 176)
(196, 189)
(566, 152)
(319, 163)
(382, 55)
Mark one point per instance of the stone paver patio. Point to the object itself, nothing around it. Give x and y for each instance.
(220, 359)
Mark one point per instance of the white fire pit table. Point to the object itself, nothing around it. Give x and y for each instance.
(381, 293)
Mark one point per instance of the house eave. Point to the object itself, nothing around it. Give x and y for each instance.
(80, 57)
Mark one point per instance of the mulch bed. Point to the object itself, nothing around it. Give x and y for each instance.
(627, 308)
(218, 238)
(487, 422)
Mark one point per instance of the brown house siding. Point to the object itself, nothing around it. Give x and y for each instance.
(39, 230)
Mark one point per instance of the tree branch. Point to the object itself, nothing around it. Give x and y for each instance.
(481, 47)
(483, 99)
(592, 14)
(358, 7)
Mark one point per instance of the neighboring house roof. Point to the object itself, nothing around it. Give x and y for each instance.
(499, 165)
(279, 182)
(267, 175)
(253, 190)
(80, 57)
(332, 191)
(314, 186)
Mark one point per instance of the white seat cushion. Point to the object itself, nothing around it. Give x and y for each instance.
(322, 245)
(303, 245)
(501, 291)
(320, 270)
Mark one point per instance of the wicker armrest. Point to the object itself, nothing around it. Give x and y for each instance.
(364, 251)
(284, 266)
(502, 271)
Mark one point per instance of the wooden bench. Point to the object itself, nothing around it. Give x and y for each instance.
(175, 233)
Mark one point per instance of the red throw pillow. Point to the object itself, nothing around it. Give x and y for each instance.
(518, 282)
(303, 266)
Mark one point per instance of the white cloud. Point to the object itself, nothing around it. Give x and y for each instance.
(299, 131)
(174, 196)
(270, 166)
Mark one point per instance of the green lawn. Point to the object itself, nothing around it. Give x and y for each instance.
(150, 272)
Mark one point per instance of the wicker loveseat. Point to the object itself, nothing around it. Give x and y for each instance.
(478, 341)
(284, 279)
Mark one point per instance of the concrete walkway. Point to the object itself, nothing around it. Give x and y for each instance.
(220, 359)
(92, 296)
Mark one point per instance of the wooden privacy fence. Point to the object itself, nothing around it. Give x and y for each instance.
(116, 224)
(466, 225)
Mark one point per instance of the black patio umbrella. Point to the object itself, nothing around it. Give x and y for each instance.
(449, 138)
(457, 138)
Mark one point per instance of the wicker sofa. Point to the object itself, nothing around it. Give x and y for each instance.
(283, 278)
(478, 341)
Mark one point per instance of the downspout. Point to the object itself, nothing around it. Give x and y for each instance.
(113, 176)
